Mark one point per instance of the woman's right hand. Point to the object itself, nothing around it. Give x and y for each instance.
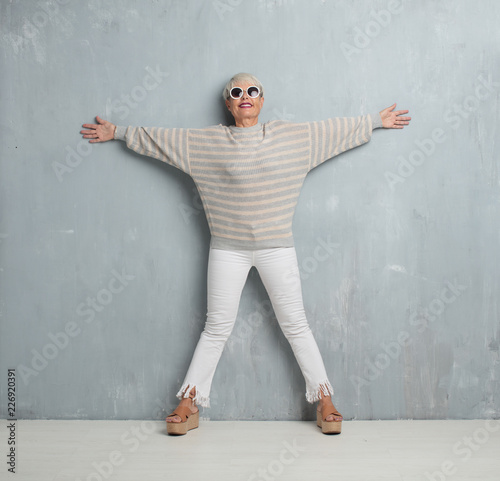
(100, 132)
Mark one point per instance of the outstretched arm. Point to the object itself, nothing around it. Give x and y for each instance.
(167, 145)
(100, 132)
(392, 119)
(334, 136)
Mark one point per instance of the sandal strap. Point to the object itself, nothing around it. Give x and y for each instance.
(183, 412)
(326, 411)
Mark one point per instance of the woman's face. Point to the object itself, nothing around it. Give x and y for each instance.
(246, 109)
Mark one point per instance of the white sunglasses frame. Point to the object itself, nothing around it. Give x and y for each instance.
(245, 90)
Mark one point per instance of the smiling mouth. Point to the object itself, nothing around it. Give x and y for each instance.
(245, 105)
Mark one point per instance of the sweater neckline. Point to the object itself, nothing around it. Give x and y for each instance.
(254, 128)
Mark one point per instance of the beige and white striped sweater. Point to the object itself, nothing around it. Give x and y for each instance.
(249, 179)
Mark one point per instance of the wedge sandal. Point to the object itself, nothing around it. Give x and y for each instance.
(328, 427)
(189, 421)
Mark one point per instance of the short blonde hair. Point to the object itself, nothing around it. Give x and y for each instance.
(242, 78)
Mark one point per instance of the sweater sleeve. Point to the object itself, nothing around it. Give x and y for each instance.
(333, 136)
(167, 145)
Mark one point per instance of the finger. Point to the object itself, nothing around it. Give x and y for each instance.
(401, 112)
(90, 126)
(388, 110)
(87, 132)
(101, 121)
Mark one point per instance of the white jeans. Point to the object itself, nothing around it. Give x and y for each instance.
(227, 274)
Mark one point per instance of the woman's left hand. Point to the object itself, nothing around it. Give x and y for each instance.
(391, 119)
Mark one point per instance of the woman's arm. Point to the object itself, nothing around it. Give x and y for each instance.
(331, 137)
(167, 145)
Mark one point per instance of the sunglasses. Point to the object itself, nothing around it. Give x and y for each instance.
(237, 92)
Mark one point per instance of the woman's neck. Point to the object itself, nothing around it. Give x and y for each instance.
(247, 122)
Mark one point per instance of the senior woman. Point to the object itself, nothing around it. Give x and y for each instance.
(249, 177)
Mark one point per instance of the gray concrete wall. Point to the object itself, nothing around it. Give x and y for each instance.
(104, 252)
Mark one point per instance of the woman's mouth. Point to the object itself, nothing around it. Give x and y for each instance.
(245, 105)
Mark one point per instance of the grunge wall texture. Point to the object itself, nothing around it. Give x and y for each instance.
(104, 252)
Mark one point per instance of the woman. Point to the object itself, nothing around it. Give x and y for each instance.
(249, 178)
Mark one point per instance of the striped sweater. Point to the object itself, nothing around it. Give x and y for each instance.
(249, 179)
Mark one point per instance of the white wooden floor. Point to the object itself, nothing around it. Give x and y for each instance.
(254, 451)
